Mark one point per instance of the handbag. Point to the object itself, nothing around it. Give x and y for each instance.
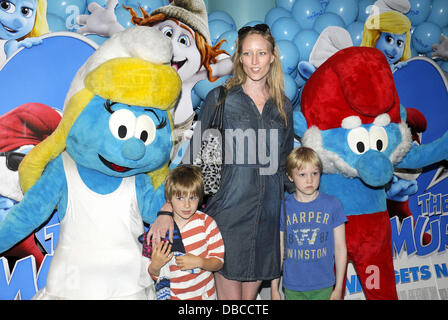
(210, 155)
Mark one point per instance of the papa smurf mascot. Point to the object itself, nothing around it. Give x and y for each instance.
(103, 168)
(351, 116)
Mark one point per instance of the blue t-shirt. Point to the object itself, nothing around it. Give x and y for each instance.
(309, 246)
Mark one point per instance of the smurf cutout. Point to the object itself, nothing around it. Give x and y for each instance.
(185, 23)
(21, 23)
(389, 30)
(103, 168)
(20, 130)
(351, 116)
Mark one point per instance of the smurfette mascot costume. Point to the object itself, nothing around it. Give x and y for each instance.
(102, 168)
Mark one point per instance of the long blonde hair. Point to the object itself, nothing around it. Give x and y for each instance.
(390, 22)
(275, 79)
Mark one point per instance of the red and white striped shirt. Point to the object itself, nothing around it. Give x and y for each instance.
(201, 237)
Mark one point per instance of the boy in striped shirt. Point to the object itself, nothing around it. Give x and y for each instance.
(200, 235)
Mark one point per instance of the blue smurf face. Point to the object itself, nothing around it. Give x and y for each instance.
(16, 18)
(392, 45)
(366, 149)
(120, 140)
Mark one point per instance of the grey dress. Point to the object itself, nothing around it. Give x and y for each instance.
(247, 206)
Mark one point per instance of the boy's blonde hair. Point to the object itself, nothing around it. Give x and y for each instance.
(301, 156)
(184, 180)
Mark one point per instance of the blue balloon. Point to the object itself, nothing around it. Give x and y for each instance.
(274, 14)
(55, 23)
(445, 31)
(289, 55)
(346, 9)
(324, 3)
(217, 28)
(100, 2)
(148, 5)
(229, 46)
(439, 13)
(424, 36)
(123, 17)
(285, 28)
(286, 4)
(253, 22)
(364, 10)
(444, 66)
(203, 87)
(306, 11)
(291, 88)
(419, 11)
(98, 39)
(326, 20)
(304, 41)
(65, 8)
(356, 29)
(222, 15)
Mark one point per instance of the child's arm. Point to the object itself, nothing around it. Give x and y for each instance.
(275, 293)
(340, 256)
(160, 256)
(190, 261)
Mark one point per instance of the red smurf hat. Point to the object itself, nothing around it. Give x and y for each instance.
(355, 81)
(27, 124)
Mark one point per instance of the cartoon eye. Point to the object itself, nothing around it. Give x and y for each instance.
(358, 140)
(27, 12)
(145, 129)
(7, 7)
(185, 40)
(167, 31)
(400, 43)
(122, 124)
(389, 39)
(378, 138)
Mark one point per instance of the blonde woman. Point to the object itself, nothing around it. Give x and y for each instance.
(390, 33)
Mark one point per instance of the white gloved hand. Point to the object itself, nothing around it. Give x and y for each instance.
(100, 21)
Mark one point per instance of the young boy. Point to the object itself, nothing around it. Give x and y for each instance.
(315, 235)
(200, 236)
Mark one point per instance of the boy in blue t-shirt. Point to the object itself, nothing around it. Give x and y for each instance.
(315, 235)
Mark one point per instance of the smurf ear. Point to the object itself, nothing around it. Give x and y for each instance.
(306, 69)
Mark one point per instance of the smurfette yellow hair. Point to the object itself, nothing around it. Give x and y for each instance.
(390, 22)
(128, 80)
(40, 23)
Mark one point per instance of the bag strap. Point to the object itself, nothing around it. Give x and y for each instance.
(218, 116)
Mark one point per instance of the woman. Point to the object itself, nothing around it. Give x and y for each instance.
(247, 205)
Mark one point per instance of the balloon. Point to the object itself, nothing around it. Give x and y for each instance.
(286, 4)
(324, 3)
(123, 17)
(304, 41)
(289, 55)
(229, 46)
(274, 14)
(222, 15)
(346, 9)
(253, 22)
(419, 11)
(445, 31)
(65, 8)
(356, 29)
(291, 89)
(306, 11)
(217, 28)
(285, 28)
(55, 23)
(424, 36)
(439, 13)
(364, 10)
(98, 39)
(444, 66)
(148, 5)
(326, 20)
(203, 87)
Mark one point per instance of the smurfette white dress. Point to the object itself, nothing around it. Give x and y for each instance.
(98, 255)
